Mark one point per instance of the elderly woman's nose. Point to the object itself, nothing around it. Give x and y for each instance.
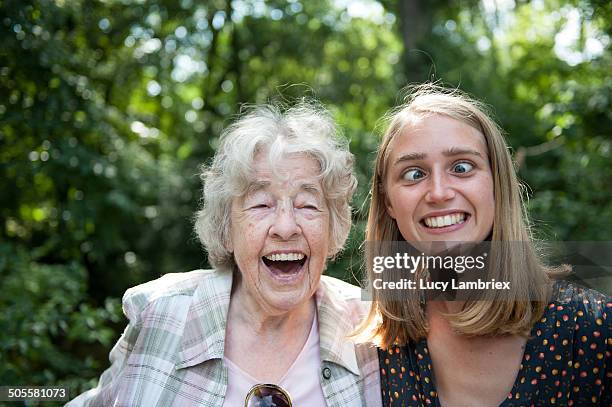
(440, 188)
(285, 224)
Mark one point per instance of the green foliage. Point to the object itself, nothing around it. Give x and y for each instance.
(107, 109)
(49, 334)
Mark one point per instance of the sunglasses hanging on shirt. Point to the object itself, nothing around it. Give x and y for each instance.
(267, 395)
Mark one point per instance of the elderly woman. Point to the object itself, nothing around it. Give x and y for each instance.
(264, 327)
(443, 175)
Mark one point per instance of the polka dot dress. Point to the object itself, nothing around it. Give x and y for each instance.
(566, 361)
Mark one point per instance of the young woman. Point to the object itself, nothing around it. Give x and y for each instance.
(443, 174)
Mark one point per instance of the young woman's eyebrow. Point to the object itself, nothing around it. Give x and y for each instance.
(410, 157)
(453, 151)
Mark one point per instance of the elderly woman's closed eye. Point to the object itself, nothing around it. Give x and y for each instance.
(264, 327)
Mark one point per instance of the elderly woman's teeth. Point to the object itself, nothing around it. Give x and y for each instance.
(285, 257)
(446, 220)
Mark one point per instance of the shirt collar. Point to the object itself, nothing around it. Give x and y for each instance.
(204, 334)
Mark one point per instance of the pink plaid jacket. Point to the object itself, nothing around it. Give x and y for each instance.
(171, 353)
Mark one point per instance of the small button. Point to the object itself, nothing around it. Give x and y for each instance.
(326, 372)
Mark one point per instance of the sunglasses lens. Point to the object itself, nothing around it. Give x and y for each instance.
(265, 396)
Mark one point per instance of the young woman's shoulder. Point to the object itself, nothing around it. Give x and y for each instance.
(574, 338)
(580, 304)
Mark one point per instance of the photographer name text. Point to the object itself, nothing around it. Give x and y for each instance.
(453, 284)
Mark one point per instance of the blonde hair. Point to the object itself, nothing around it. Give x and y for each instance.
(391, 321)
(306, 128)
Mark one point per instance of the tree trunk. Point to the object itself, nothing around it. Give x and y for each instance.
(415, 23)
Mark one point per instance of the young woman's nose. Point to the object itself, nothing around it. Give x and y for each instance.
(440, 188)
(285, 224)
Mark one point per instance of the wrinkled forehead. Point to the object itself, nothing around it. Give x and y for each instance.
(289, 187)
(293, 172)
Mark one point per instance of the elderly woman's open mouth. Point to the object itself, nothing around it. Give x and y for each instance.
(285, 264)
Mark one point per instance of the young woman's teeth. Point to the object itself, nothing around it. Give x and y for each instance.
(285, 257)
(446, 220)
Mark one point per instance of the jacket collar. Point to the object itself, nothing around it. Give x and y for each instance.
(335, 324)
(204, 334)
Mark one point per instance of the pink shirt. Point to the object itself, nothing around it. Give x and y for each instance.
(301, 381)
